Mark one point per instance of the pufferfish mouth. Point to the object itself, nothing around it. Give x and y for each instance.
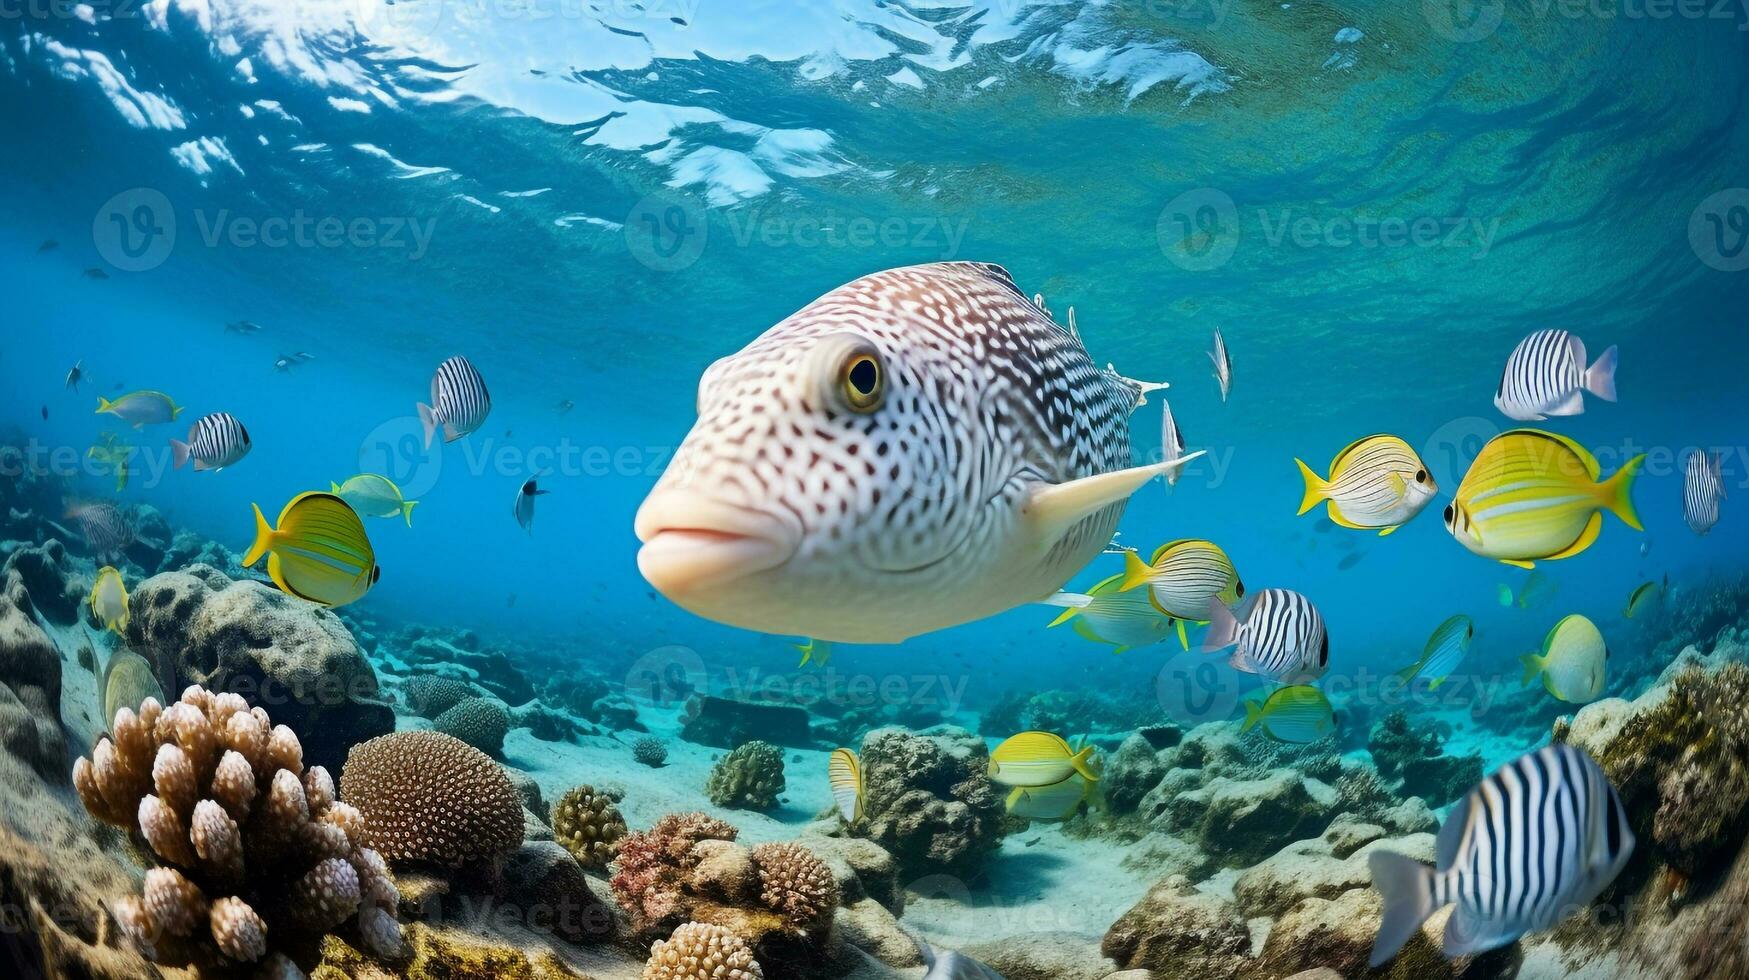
(693, 541)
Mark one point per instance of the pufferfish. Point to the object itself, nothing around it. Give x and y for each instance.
(918, 448)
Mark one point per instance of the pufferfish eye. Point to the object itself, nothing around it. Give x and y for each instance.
(863, 382)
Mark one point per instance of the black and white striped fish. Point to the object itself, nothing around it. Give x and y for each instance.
(1282, 636)
(107, 530)
(214, 442)
(1532, 844)
(1546, 375)
(459, 401)
(918, 448)
(1702, 489)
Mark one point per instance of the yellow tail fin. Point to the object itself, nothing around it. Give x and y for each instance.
(407, 510)
(263, 538)
(1253, 715)
(1315, 487)
(103, 405)
(1618, 492)
(1079, 761)
(1533, 665)
(1135, 571)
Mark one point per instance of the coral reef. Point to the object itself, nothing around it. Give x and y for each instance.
(430, 797)
(252, 846)
(429, 696)
(587, 824)
(750, 777)
(700, 951)
(650, 751)
(929, 800)
(30, 686)
(796, 884)
(445, 952)
(725, 723)
(651, 868)
(198, 627)
(56, 588)
(1416, 756)
(1178, 932)
(480, 722)
(460, 655)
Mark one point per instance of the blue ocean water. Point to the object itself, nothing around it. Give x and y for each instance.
(593, 202)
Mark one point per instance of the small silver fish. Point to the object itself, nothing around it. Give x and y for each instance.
(523, 509)
(76, 375)
(1223, 363)
(1171, 441)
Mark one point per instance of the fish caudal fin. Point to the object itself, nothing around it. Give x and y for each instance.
(1315, 486)
(1253, 715)
(407, 511)
(1223, 627)
(179, 452)
(1406, 887)
(1183, 637)
(263, 538)
(1618, 492)
(1533, 665)
(1600, 376)
(428, 422)
(103, 405)
(1079, 761)
(1135, 571)
(334, 488)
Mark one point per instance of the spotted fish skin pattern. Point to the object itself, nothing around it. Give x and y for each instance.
(907, 517)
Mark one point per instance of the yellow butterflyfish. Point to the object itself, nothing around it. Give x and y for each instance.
(319, 551)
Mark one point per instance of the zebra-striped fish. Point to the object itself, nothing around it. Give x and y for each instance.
(1182, 577)
(1546, 375)
(106, 529)
(1223, 363)
(1533, 495)
(214, 442)
(1375, 482)
(1281, 637)
(1533, 843)
(1107, 614)
(918, 448)
(1171, 441)
(1702, 488)
(459, 401)
(1444, 651)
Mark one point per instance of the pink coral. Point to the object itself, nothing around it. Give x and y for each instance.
(651, 866)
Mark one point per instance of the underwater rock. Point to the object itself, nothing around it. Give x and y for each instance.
(546, 724)
(1416, 757)
(1179, 933)
(30, 690)
(429, 797)
(1679, 757)
(442, 952)
(527, 789)
(480, 722)
(57, 587)
(863, 868)
(726, 723)
(871, 927)
(1135, 768)
(1337, 934)
(1244, 821)
(493, 670)
(1313, 869)
(929, 800)
(188, 548)
(650, 751)
(1043, 956)
(252, 848)
(589, 825)
(553, 893)
(616, 711)
(292, 657)
(429, 696)
(575, 692)
(750, 777)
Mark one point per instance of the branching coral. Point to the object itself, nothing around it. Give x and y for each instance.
(796, 884)
(650, 751)
(427, 796)
(699, 951)
(587, 823)
(480, 722)
(255, 851)
(651, 867)
(750, 777)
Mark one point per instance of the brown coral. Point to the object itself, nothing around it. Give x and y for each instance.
(651, 867)
(699, 951)
(587, 823)
(426, 796)
(242, 870)
(796, 884)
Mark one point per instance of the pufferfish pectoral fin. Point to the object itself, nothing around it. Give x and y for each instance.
(1049, 510)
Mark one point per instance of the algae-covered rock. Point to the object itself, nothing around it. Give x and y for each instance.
(1416, 756)
(1179, 933)
(929, 801)
(725, 722)
(443, 952)
(551, 890)
(291, 657)
(1043, 956)
(1244, 821)
(30, 689)
(750, 777)
(56, 586)
(1135, 768)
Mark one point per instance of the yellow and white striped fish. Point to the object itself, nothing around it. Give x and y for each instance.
(1106, 614)
(1375, 483)
(1058, 801)
(844, 773)
(1573, 661)
(319, 552)
(1532, 496)
(1182, 577)
(1038, 759)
